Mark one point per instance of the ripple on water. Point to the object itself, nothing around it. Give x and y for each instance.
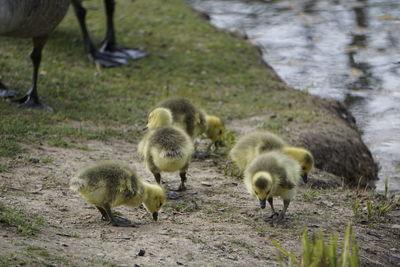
(347, 50)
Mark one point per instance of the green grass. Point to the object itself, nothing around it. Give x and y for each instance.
(188, 58)
(26, 225)
(316, 251)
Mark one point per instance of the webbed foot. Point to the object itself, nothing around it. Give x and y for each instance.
(201, 155)
(120, 221)
(173, 195)
(178, 188)
(273, 215)
(107, 60)
(7, 93)
(30, 102)
(119, 51)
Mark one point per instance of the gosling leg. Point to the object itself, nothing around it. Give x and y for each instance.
(271, 203)
(282, 214)
(157, 176)
(104, 215)
(109, 44)
(116, 220)
(182, 186)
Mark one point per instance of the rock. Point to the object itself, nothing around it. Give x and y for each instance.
(141, 252)
(206, 184)
(338, 148)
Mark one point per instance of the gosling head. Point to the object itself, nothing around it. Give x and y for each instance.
(159, 117)
(215, 130)
(304, 157)
(262, 184)
(155, 200)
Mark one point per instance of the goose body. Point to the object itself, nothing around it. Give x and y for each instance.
(34, 19)
(110, 184)
(31, 18)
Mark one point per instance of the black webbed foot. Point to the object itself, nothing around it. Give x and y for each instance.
(30, 102)
(119, 51)
(120, 221)
(107, 60)
(7, 93)
(173, 195)
(201, 155)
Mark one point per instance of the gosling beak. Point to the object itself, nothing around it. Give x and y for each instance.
(305, 178)
(155, 216)
(263, 203)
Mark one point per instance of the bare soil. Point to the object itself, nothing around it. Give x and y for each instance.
(215, 222)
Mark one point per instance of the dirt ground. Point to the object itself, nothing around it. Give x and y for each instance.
(215, 222)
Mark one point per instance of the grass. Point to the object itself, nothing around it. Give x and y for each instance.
(34, 255)
(188, 58)
(316, 251)
(25, 224)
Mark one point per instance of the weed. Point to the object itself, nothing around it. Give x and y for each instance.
(9, 147)
(355, 207)
(311, 195)
(3, 168)
(318, 252)
(47, 160)
(26, 226)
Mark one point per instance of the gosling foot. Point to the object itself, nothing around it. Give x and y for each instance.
(173, 195)
(31, 102)
(119, 51)
(178, 188)
(201, 155)
(119, 221)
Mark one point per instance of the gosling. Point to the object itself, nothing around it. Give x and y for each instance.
(250, 145)
(273, 174)
(111, 184)
(255, 143)
(166, 148)
(194, 121)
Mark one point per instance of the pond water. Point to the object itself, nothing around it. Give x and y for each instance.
(348, 50)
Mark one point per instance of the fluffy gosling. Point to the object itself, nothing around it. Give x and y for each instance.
(194, 121)
(166, 148)
(255, 143)
(250, 145)
(273, 174)
(111, 184)
(304, 157)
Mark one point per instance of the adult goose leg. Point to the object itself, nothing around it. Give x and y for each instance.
(109, 44)
(31, 99)
(98, 57)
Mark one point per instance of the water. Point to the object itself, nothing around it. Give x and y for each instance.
(346, 50)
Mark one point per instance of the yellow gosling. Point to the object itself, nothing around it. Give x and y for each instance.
(166, 148)
(110, 184)
(273, 174)
(304, 157)
(252, 144)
